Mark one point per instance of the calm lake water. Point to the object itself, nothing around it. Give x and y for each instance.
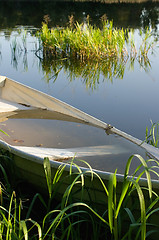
(128, 102)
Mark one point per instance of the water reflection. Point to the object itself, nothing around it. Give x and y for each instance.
(90, 72)
(22, 42)
(13, 13)
(136, 16)
(19, 53)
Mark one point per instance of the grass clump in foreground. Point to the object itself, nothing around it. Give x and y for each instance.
(127, 211)
(86, 42)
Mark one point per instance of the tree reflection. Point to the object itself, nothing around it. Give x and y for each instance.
(137, 15)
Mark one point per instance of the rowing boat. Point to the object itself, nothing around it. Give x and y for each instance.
(84, 137)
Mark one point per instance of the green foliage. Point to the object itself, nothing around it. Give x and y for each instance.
(126, 213)
(152, 136)
(85, 41)
(3, 132)
(91, 51)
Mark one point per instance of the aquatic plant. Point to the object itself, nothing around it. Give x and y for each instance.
(19, 49)
(84, 41)
(91, 52)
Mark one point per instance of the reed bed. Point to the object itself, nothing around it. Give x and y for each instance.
(61, 51)
(87, 42)
(92, 52)
(84, 41)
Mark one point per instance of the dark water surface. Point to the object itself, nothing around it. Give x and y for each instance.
(127, 103)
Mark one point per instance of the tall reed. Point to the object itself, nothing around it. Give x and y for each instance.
(85, 41)
(90, 51)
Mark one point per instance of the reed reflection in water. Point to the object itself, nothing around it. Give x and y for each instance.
(91, 71)
(92, 65)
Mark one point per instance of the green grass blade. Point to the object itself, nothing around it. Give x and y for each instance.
(36, 196)
(122, 196)
(24, 229)
(142, 209)
(4, 132)
(57, 220)
(47, 168)
(112, 200)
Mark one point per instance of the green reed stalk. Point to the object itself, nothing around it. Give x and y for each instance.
(152, 136)
(89, 51)
(84, 41)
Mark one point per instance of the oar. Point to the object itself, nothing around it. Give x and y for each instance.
(153, 151)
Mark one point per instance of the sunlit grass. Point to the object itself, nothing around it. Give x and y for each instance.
(91, 52)
(85, 51)
(86, 42)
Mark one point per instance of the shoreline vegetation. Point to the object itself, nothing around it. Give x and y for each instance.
(129, 212)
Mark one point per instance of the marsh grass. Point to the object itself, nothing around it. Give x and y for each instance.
(85, 41)
(126, 214)
(83, 50)
(90, 51)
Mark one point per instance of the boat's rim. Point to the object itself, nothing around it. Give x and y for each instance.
(54, 163)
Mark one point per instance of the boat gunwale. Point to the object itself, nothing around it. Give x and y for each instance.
(55, 164)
